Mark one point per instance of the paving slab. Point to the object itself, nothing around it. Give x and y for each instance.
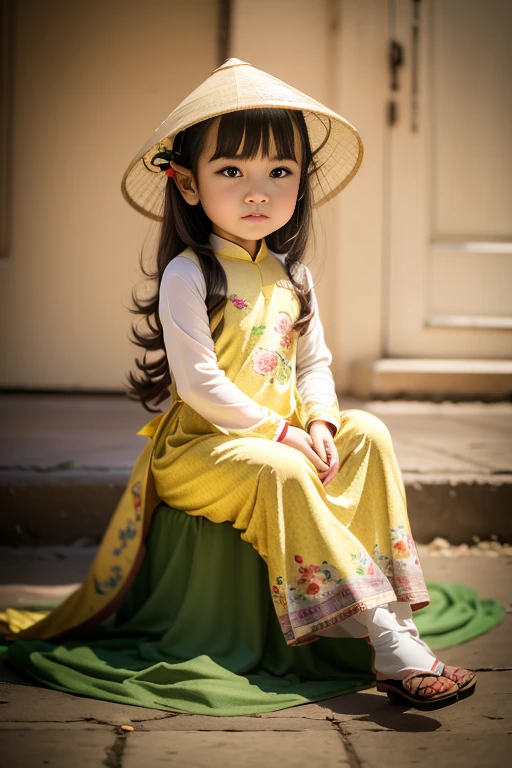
(442, 750)
(56, 748)
(488, 710)
(27, 703)
(30, 707)
(229, 750)
(262, 722)
(319, 710)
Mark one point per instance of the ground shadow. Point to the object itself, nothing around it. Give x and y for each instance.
(375, 708)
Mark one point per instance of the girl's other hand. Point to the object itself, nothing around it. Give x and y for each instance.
(323, 444)
(299, 438)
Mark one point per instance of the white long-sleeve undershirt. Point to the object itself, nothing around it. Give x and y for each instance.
(193, 361)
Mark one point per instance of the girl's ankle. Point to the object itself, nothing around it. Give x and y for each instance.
(436, 670)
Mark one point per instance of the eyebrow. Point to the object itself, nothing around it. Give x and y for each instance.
(274, 159)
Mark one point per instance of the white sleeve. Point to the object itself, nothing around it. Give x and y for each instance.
(193, 361)
(315, 381)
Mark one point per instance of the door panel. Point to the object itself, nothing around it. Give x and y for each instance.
(450, 181)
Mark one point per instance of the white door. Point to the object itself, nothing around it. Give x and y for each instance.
(448, 189)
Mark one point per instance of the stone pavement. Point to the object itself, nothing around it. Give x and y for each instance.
(41, 726)
(65, 460)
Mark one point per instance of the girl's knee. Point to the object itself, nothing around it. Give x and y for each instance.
(364, 424)
(265, 457)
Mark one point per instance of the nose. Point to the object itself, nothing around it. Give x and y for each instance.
(256, 196)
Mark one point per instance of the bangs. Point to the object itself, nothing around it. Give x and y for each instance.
(258, 126)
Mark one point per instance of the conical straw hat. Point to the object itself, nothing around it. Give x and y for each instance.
(234, 86)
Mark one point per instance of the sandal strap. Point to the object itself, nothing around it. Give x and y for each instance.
(437, 667)
(416, 676)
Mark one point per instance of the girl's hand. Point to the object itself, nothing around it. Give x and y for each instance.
(299, 438)
(323, 444)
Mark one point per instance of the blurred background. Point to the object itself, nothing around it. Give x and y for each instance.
(413, 259)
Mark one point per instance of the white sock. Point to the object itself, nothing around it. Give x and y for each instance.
(398, 652)
(395, 638)
(356, 626)
(403, 613)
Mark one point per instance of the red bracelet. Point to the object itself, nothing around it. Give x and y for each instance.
(283, 433)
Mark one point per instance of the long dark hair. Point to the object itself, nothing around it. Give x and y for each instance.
(185, 226)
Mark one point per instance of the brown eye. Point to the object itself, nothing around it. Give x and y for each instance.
(281, 169)
(230, 168)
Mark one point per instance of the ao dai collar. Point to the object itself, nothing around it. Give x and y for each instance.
(230, 250)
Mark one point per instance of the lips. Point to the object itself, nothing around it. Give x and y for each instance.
(255, 216)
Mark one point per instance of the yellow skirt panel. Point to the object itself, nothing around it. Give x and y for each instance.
(331, 551)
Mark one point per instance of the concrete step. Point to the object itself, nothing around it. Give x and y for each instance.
(65, 460)
(432, 378)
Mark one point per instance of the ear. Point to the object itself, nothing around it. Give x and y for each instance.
(186, 184)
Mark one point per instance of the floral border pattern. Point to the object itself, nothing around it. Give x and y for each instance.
(319, 593)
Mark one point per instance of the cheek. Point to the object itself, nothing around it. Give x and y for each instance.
(214, 195)
(224, 193)
(289, 196)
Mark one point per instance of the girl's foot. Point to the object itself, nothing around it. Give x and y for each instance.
(423, 690)
(407, 668)
(465, 679)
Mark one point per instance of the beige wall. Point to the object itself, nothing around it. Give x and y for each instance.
(90, 86)
(92, 81)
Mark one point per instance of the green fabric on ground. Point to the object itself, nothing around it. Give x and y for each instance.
(198, 633)
(455, 615)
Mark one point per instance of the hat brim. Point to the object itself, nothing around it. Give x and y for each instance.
(337, 144)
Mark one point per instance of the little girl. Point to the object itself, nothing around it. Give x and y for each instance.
(252, 433)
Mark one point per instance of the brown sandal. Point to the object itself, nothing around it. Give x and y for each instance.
(463, 684)
(466, 679)
(401, 691)
(405, 692)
